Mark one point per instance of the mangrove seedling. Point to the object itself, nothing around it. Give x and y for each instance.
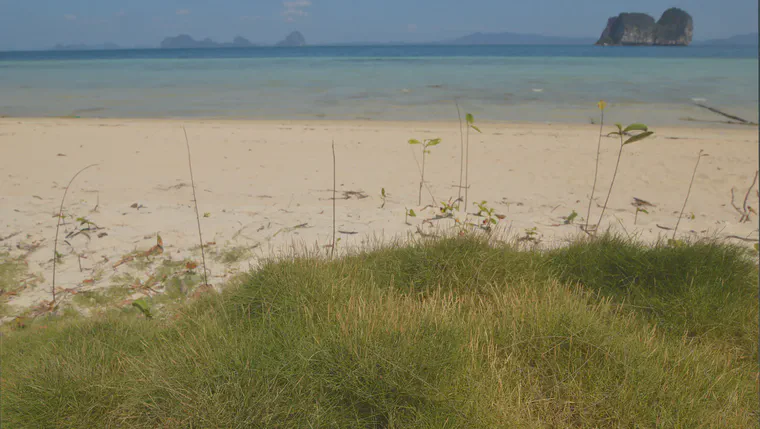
(637, 132)
(488, 213)
(426, 143)
(447, 208)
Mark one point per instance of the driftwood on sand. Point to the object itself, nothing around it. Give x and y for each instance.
(734, 120)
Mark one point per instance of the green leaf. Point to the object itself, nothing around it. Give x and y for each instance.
(619, 127)
(412, 213)
(143, 307)
(475, 128)
(638, 137)
(433, 142)
(642, 210)
(414, 141)
(470, 118)
(382, 192)
(636, 127)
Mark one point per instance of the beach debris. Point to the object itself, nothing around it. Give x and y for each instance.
(348, 232)
(292, 228)
(155, 250)
(724, 114)
(173, 187)
(137, 206)
(745, 210)
(10, 236)
(61, 154)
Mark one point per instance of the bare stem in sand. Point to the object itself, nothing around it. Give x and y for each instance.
(58, 223)
(596, 170)
(335, 182)
(678, 222)
(461, 155)
(195, 202)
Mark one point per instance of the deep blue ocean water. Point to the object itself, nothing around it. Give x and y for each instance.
(513, 83)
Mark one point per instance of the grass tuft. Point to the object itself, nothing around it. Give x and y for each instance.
(447, 333)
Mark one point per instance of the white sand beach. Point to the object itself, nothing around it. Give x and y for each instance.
(263, 187)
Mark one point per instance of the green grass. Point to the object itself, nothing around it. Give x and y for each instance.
(11, 272)
(446, 334)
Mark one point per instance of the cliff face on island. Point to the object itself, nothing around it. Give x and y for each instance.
(675, 27)
(293, 39)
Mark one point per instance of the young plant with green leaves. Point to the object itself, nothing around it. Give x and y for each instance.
(488, 213)
(426, 144)
(569, 219)
(447, 207)
(635, 133)
(407, 214)
(470, 125)
(602, 105)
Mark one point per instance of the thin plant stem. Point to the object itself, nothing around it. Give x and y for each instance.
(612, 183)
(461, 155)
(422, 176)
(467, 168)
(195, 202)
(419, 170)
(332, 250)
(678, 222)
(596, 171)
(746, 196)
(58, 224)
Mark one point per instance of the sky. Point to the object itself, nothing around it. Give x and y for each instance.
(40, 24)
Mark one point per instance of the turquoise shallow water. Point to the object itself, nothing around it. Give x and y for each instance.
(516, 83)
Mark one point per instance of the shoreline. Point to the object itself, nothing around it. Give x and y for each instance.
(684, 125)
(263, 186)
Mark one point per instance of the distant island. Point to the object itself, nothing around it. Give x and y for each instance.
(675, 28)
(83, 47)
(738, 40)
(293, 39)
(183, 41)
(516, 39)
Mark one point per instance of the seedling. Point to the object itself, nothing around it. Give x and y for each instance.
(569, 219)
(447, 208)
(641, 132)
(426, 143)
(470, 125)
(383, 197)
(531, 234)
(488, 213)
(409, 213)
(602, 105)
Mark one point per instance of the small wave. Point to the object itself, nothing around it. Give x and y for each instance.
(699, 100)
(538, 90)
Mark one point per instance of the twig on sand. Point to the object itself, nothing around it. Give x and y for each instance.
(58, 223)
(195, 202)
(745, 210)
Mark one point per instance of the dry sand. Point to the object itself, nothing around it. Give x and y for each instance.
(258, 180)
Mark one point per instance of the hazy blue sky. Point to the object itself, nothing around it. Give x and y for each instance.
(33, 24)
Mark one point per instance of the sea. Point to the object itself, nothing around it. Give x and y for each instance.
(657, 85)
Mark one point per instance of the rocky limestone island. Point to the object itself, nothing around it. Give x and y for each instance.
(294, 39)
(675, 28)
